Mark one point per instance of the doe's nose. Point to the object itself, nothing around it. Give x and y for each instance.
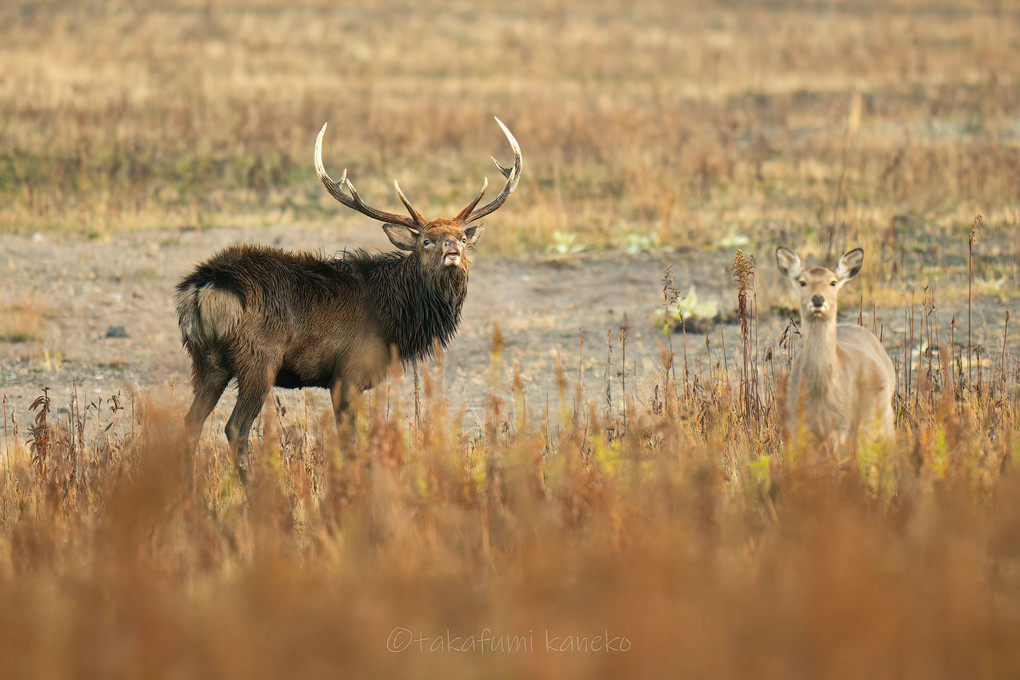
(817, 300)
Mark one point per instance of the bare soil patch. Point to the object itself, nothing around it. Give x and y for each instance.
(86, 291)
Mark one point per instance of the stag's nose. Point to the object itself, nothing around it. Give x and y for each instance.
(451, 251)
(818, 301)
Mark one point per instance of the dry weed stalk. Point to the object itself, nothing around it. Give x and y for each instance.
(535, 521)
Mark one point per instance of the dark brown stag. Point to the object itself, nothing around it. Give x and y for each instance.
(271, 317)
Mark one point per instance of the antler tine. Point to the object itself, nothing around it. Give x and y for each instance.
(415, 215)
(506, 171)
(354, 201)
(512, 175)
(471, 206)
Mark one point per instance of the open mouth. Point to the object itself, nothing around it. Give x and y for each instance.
(452, 257)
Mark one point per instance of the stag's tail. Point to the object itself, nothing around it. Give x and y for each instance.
(207, 315)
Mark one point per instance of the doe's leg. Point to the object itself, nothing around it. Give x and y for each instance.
(889, 419)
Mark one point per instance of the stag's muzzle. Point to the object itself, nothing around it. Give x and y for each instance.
(451, 256)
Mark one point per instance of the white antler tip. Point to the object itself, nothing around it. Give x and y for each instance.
(510, 137)
(320, 169)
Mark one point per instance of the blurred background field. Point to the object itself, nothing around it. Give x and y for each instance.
(664, 123)
(531, 485)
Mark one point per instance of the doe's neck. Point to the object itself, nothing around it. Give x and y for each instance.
(818, 352)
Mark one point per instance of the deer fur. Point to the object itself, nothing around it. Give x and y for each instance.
(843, 379)
(270, 317)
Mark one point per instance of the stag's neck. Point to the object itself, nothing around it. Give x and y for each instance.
(417, 309)
(819, 362)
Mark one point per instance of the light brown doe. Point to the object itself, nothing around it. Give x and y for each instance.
(843, 379)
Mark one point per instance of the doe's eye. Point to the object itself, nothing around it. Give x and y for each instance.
(833, 284)
(803, 284)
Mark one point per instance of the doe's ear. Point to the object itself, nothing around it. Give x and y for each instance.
(401, 236)
(788, 263)
(474, 233)
(850, 265)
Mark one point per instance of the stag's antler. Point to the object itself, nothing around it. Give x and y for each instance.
(354, 200)
(345, 192)
(512, 174)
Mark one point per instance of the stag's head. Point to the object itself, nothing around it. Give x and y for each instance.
(441, 244)
(818, 286)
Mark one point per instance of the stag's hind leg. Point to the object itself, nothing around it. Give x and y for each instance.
(251, 395)
(208, 380)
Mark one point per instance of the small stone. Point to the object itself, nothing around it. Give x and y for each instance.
(116, 332)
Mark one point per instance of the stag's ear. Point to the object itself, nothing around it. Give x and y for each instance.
(788, 263)
(850, 265)
(401, 236)
(474, 233)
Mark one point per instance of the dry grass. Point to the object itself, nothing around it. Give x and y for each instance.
(22, 321)
(671, 518)
(679, 121)
(668, 514)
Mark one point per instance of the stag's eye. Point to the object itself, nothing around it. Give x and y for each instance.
(426, 243)
(802, 283)
(832, 283)
(463, 239)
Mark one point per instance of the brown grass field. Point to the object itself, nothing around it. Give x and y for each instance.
(612, 517)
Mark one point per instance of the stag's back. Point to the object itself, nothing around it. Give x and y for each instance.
(299, 314)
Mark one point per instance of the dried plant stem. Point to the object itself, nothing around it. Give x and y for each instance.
(623, 373)
(669, 293)
(687, 371)
(608, 376)
(970, 296)
(417, 401)
(743, 271)
(1002, 358)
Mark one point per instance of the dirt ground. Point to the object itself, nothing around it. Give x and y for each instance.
(85, 289)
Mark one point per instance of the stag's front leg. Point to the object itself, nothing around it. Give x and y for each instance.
(251, 395)
(346, 419)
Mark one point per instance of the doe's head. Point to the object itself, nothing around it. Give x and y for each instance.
(818, 287)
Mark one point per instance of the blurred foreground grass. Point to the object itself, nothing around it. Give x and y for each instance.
(670, 525)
